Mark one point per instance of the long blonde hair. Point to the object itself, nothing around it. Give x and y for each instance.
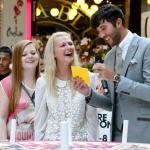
(17, 72)
(50, 64)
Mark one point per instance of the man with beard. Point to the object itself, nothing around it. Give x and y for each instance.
(5, 61)
(127, 73)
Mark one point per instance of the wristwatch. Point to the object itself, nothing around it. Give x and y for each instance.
(116, 78)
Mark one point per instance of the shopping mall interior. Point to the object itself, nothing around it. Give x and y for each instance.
(74, 16)
(80, 22)
(79, 25)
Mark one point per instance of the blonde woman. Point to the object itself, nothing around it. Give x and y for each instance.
(55, 98)
(17, 92)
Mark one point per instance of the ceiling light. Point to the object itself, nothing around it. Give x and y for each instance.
(70, 17)
(84, 6)
(89, 12)
(54, 12)
(73, 12)
(75, 5)
(94, 7)
(98, 1)
(80, 2)
(38, 12)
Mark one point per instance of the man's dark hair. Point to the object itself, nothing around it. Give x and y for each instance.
(108, 12)
(6, 49)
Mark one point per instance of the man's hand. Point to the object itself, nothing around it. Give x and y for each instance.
(104, 72)
(80, 86)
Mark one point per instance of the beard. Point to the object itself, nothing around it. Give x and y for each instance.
(115, 37)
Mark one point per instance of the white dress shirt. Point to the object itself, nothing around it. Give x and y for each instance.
(124, 45)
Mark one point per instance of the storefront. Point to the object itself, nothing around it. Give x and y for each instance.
(15, 21)
(74, 18)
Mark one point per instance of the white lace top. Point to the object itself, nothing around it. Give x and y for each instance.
(48, 128)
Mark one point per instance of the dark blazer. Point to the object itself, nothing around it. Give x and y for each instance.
(133, 90)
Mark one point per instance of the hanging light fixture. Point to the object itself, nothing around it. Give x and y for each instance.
(94, 7)
(38, 12)
(148, 2)
(80, 2)
(84, 6)
(97, 1)
(70, 17)
(54, 12)
(73, 12)
(89, 12)
(75, 5)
